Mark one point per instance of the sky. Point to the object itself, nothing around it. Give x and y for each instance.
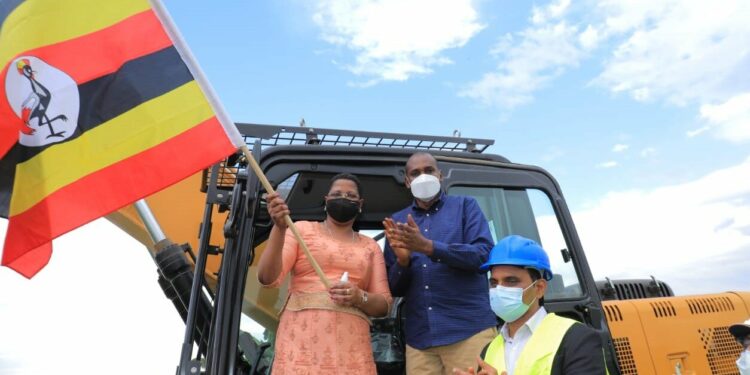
(640, 109)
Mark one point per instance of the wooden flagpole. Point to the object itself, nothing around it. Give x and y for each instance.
(232, 133)
(290, 224)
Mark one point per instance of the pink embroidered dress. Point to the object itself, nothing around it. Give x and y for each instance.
(314, 335)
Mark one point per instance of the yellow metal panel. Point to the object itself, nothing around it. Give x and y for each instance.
(745, 297)
(688, 332)
(628, 337)
(179, 211)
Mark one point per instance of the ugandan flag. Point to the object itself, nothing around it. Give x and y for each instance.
(98, 108)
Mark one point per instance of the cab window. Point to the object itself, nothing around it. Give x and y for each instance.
(529, 213)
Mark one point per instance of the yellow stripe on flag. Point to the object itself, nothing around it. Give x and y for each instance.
(139, 129)
(39, 23)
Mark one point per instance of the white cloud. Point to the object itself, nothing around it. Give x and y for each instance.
(682, 51)
(97, 298)
(607, 164)
(671, 230)
(541, 53)
(541, 15)
(620, 147)
(731, 119)
(697, 132)
(532, 57)
(647, 152)
(589, 38)
(397, 39)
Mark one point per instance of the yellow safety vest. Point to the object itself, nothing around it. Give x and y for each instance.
(537, 356)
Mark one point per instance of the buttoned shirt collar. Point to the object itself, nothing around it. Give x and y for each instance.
(530, 325)
(514, 346)
(435, 205)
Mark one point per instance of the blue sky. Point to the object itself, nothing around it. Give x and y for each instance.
(640, 109)
(559, 103)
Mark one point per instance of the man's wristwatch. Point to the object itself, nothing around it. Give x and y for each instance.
(364, 298)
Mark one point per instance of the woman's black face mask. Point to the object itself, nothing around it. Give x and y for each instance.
(342, 209)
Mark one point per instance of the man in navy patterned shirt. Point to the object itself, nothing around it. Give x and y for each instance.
(433, 253)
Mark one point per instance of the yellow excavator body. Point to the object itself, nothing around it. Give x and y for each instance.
(672, 335)
(179, 210)
(685, 335)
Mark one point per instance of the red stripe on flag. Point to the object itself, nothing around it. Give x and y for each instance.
(103, 52)
(88, 57)
(32, 261)
(108, 190)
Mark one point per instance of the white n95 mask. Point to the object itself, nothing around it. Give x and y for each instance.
(425, 187)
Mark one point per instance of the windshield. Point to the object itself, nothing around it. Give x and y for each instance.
(528, 213)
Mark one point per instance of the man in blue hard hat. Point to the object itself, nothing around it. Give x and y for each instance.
(741, 332)
(532, 341)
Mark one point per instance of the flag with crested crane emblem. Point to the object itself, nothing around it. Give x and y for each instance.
(100, 105)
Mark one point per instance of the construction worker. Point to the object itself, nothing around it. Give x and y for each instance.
(532, 341)
(741, 332)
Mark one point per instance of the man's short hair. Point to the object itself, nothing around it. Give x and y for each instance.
(535, 275)
(419, 153)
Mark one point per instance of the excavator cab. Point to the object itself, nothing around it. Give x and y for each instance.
(218, 223)
(233, 322)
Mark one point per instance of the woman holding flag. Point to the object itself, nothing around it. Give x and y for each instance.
(326, 330)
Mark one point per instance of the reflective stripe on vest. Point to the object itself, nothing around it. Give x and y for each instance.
(536, 358)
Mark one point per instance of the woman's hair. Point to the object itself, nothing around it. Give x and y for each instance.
(346, 176)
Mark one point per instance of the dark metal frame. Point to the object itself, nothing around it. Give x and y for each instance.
(268, 136)
(275, 135)
(229, 186)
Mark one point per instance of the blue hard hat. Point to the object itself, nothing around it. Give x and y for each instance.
(519, 251)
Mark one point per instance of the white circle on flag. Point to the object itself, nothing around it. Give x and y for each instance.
(44, 98)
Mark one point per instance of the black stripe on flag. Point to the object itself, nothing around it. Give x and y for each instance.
(105, 98)
(136, 82)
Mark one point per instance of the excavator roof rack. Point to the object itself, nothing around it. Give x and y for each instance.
(275, 135)
(225, 173)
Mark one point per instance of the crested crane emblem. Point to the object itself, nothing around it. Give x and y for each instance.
(44, 98)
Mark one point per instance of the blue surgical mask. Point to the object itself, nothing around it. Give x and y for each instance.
(507, 303)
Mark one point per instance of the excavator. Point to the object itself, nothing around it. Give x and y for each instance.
(215, 225)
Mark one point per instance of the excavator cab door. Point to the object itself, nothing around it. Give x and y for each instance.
(527, 201)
